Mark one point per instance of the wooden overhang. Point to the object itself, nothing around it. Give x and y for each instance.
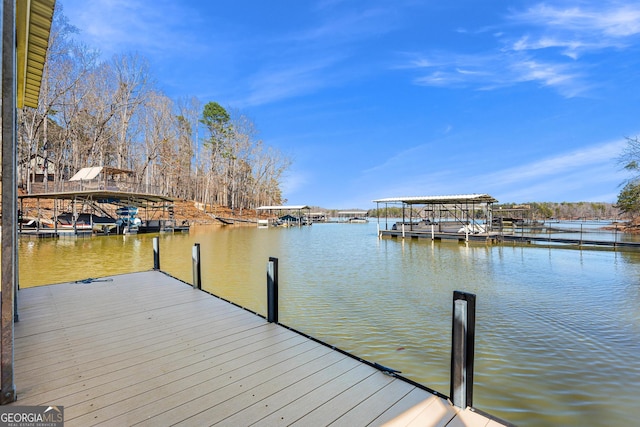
(33, 25)
(26, 25)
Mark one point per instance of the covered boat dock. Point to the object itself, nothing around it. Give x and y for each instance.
(100, 207)
(451, 217)
(357, 216)
(285, 215)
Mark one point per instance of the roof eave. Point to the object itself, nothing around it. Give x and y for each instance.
(33, 27)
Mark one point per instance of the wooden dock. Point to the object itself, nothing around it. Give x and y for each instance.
(148, 349)
(439, 235)
(510, 238)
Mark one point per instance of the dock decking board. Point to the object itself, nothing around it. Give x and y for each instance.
(147, 349)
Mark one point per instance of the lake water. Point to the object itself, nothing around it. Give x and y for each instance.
(557, 330)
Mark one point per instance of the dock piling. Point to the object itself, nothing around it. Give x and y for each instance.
(156, 253)
(462, 348)
(272, 290)
(195, 258)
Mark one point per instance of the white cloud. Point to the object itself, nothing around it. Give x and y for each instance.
(495, 70)
(605, 18)
(578, 30)
(540, 40)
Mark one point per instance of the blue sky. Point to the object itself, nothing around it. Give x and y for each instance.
(523, 100)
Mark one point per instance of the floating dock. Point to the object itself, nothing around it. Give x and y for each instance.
(508, 238)
(148, 349)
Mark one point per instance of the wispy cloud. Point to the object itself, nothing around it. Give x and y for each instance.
(270, 85)
(292, 184)
(603, 18)
(495, 70)
(117, 26)
(348, 26)
(577, 172)
(303, 62)
(532, 48)
(576, 31)
(563, 164)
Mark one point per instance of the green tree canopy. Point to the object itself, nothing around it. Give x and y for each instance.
(215, 118)
(629, 199)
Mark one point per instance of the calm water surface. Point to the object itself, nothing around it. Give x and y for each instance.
(557, 332)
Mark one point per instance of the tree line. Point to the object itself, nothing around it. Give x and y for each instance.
(93, 112)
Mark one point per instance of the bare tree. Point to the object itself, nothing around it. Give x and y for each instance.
(110, 114)
(132, 86)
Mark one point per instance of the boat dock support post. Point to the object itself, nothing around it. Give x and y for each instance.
(462, 348)
(272, 290)
(195, 258)
(156, 253)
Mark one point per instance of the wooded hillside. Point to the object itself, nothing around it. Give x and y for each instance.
(110, 113)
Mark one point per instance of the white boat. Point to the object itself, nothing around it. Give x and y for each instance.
(358, 220)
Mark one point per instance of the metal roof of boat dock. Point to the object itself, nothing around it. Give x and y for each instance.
(361, 212)
(282, 208)
(133, 198)
(457, 198)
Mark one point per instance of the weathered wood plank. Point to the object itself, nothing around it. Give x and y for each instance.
(308, 402)
(373, 406)
(258, 402)
(148, 332)
(130, 402)
(44, 380)
(179, 406)
(340, 404)
(162, 362)
(185, 378)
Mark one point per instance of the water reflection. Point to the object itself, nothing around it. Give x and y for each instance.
(557, 330)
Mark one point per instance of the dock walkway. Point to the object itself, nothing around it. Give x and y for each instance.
(148, 349)
(509, 238)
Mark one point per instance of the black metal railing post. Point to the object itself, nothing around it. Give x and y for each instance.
(272, 290)
(462, 348)
(195, 258)
(156, 253)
